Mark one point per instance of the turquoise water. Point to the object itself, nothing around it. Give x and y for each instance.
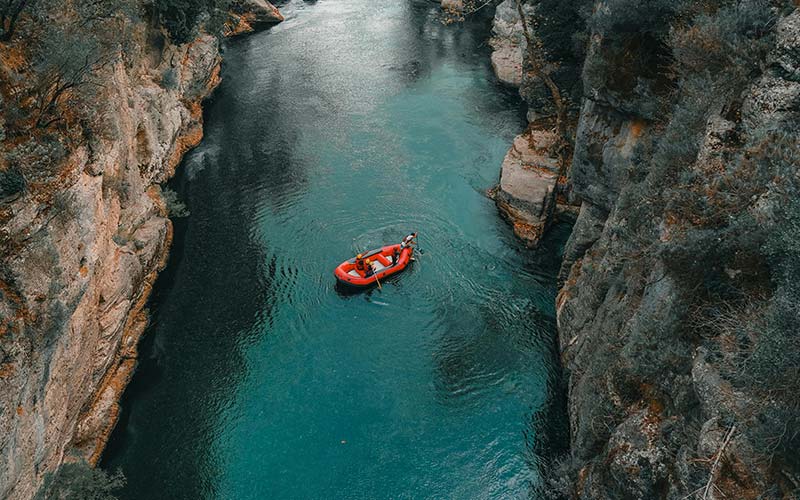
(347, 126)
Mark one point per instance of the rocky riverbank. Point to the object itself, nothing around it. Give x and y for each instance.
(83, 244)
(669, 302)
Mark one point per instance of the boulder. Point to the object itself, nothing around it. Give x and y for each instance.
(528, 178)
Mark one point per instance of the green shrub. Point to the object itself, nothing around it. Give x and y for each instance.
(182, 18)
(626, 18)
(775, 360)
(175, 207)
(771, 375)
(11, 183)
(562, 28)
(79, 481)
(763, 327)
(729, 45)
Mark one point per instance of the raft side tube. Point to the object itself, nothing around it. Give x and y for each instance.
(347, 274)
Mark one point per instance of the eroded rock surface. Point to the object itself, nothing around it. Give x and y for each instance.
(78, 264)
(508, 42)
(528, 177)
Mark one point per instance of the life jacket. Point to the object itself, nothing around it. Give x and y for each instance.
(360, 264)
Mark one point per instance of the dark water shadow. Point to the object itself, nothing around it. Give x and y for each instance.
(205, 306)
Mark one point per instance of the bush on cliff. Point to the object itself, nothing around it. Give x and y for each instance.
(628, 61)
(560, 31)
(729, 46)
(714, 53)
(11, 183)
(772, 366)
(182, 18)
(175, 207)
(79, 481)
(562, 28)
(67, 44)
(38, 158)
(66, 61)
(650, 50)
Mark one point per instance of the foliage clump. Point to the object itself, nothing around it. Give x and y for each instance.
(175, 207)
(170, 79)
(183, 18)
(732, 214)
(11, 183)
(80, 481)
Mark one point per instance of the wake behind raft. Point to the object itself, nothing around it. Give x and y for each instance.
(372, 267)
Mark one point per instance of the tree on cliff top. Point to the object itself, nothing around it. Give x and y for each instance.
(66, 62)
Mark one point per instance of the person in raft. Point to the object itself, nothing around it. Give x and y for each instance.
(408, 241)
(369, 271)
(360, 263)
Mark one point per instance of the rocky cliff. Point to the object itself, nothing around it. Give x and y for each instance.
(82, 242)
(677, 309)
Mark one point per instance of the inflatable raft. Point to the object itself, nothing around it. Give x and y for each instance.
(386, 261)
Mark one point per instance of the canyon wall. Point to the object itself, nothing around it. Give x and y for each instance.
(674, 311)
(81, 249)
(657, 408)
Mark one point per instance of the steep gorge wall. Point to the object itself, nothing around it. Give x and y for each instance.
(650, 411)
(80, 256)
(655, 408)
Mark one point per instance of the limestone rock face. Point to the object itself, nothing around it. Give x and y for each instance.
(77, 270)
(528, 177)
(508, 42)
(587, 229)
(604, 146)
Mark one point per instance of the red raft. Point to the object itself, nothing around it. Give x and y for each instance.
(386, 261)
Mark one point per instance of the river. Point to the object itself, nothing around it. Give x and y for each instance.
(349, 125)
